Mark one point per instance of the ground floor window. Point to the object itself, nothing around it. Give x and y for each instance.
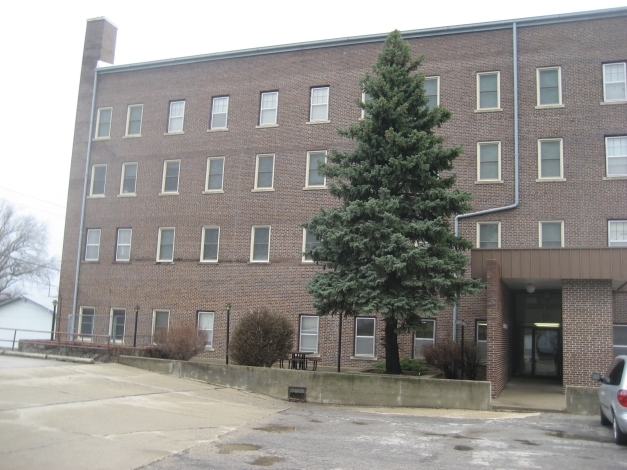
(86, 323)
(620, 340)
(205, 323)
(116, 325)
(308, 341)
(423, 337)
(160, 324)
(364, 336)
(482, 341)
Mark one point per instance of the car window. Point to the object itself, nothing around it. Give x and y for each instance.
(616, 374)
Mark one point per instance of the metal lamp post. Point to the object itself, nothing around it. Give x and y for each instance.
(228, 328)
(462, 323)
(135, 333)
(54, 317)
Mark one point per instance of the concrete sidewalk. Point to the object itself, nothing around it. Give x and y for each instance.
(531, 395)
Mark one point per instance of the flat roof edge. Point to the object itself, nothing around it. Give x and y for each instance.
(420, 33)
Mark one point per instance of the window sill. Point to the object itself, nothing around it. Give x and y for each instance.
(618, 177)
(214, 191)
(128, 195)
(263, 126)
(208, 261)
(488, 110)
(134, 136)
(610, 103)
(308, 262)
(219, 129)
(549, 106)
(102, 138)
(262, 190)
(489, 182)
(364, 358)
(322, 121)
(96, 196)
(122, 261)
(175, 133)
(209, 348)
(91, 261)
(315, 188)
(550, 180)
(169, 194)
(259, 262)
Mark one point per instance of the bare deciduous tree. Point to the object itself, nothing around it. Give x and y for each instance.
(23, 251)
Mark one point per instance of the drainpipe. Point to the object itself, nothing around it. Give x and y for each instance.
(82, 221)
(516, 165)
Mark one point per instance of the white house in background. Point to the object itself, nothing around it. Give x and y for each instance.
(27, 312)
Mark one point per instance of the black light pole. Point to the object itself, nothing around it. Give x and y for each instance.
(463, 323)
(54, 317)
(228, 328)
(135, 333)
(339, 346)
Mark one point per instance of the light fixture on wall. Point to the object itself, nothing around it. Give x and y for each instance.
(531, 288)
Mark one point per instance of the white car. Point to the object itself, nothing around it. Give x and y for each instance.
(613, 398)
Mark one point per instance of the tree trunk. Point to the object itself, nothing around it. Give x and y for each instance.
(392, 360)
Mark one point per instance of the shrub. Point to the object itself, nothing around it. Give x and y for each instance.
(471, 360)
(444, 356)
(406, 364)
(261, 338)
(181, 343)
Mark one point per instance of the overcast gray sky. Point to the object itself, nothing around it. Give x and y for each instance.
(42, 45)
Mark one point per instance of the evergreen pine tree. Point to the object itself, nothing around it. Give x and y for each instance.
(388, 248)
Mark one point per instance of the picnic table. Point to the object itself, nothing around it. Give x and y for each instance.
(299, 360)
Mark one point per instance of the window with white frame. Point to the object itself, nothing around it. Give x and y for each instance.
(177, 113)
(103, 123)
(86, 323)
(617, 233)
(210, 244)
(488, 161)
(92, 244)
(489, 235)
(134, 120)
(165, 250)
(98, 180)
(264, 172)
(550, 159)
(365, 97)
(315, 179)
(128, 185)
(488, 91)
(215, 174)
(308, 338)
(260, 244)
(269, 106)
(616, 155)
(364, 336)
(552, 234)
(171, 170)
(205, 324)
(482, 341)
(319, 110)
(123, 249)
(615, 82)
(219, 112)
(116, 324)
(160, 325)
(432, 91)
(426, 335)
(549, 86)
(620, 340)
(310, 241)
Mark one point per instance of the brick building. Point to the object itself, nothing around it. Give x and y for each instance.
(190, 178)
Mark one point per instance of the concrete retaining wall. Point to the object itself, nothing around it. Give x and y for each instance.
(330, 387)
(582, 400)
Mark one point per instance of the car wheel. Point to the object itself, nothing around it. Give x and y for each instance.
(604, 420)
(619, 436)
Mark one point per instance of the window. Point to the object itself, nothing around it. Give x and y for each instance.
(365, 97)
(488, 91)
(616, 155)
(171, 170)
(177, 112)
(260, 244)
(92, 245)
(86, 323)
(310, 241)
(489, 235)
(215, 174)
(617, 230)
(552, 234)
(98, 180)
(116, 325)
(432, 91)
(264, 173)
(205, 323)
(549, 81)
(210, 244)
(364, 336)
(482, 341)
(103, 123)
(269, 105)
(489, 161)
(129, 179)
(123, 250)
(134, 120)
(219, 112)
(319, 110)
(620, 340)
(550, 161)
(160, 325)
(614, 79)
(165, 251)
(423, 337)
(308, 340)
(315, 179)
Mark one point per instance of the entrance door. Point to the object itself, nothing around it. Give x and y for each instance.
(541, 353)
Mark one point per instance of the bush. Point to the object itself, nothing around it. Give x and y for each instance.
(180, 343)
(261, 338)
(406, 364)
(444, 356)
(471, 360)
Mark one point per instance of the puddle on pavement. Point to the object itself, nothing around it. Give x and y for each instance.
(315, 421)
(276, 428)
(454, 436)
(462, 448)
(577, 437)
(361, 423)
(526, 442)
(228, 448)
(267, 461)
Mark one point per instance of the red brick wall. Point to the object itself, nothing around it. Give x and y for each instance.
(620, 307)
(586, 329)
